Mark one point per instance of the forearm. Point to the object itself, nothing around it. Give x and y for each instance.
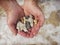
(8, 5)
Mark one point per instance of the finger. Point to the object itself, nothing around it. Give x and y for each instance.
(12, 23)
(13, 28)
(24, 34)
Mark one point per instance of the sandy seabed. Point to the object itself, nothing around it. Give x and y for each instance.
(47, 35)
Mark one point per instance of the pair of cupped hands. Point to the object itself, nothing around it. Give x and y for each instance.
(14, 15)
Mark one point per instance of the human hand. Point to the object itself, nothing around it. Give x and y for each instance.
(34, 30)
(31, 10)
(13, 17)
